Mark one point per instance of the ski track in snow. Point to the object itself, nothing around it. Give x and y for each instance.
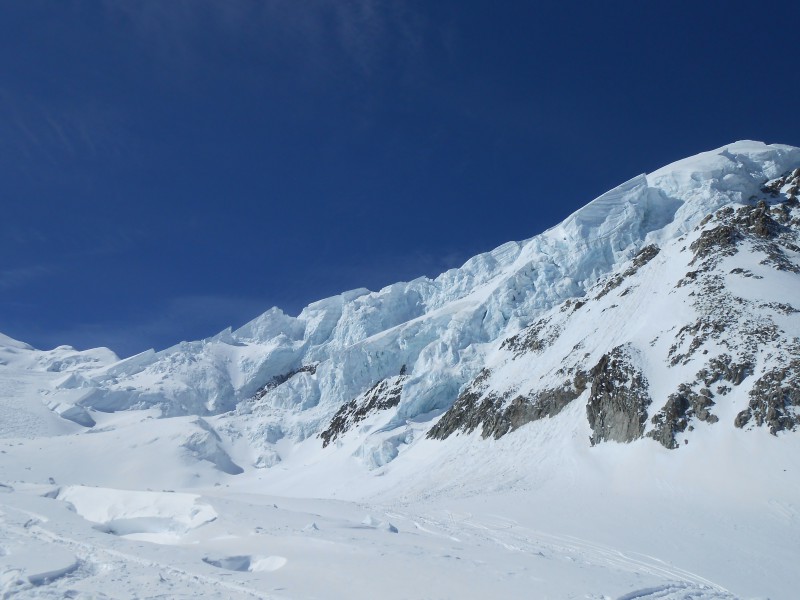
(509, 534)
(678, 591)
(93, 558)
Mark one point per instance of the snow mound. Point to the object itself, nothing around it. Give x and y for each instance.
(158, 517)
(373, 523)
(37, 567)
(206, 444)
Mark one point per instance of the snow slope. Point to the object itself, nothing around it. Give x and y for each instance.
(603, 411)
(27, 374)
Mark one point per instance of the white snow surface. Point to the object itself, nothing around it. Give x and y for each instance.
(197, 471)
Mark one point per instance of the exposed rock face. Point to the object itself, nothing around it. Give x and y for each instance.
(686, 404)
(723, 368)
(738, 323)
(547, 403)
(788, 186)
(468, 411)
(281, 379)
(724, 318)
(770, 228)
(619, 398)
(774, 399)
(719, 241)
(644, 256)
(496, 416)
(383, 395)
(617, 406)
(680, 409)
(537, 337)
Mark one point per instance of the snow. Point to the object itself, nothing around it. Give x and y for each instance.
(181, 473)
(531, 515)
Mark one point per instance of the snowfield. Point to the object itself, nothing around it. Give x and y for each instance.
(606, 411)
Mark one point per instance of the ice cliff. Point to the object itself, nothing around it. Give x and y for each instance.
(285, 376)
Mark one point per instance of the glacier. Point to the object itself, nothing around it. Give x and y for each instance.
(439, 329)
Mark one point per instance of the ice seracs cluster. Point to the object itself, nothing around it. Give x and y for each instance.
(584, 310)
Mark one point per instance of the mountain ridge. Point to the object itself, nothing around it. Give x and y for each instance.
(439, 332)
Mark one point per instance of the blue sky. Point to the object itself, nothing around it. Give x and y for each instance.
(172, 168)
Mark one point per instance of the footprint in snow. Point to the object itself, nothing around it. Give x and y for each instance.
(246, 562)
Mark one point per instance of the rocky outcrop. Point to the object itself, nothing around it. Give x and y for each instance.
(787, 186)
(617, 406)
(281, 379)
(724, 368)
(686, 405)
(774, 400)
(383, 395)
(719, 241)
(546, 403)
(677, 414)
(497, 416)
(537, 337)
(644, 256)
(770, 228)
(468, 411)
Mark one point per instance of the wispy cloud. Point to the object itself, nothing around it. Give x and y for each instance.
(22, 276)
(34, 131)
(364, 32)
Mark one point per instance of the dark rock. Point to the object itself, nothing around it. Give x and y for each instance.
(644, 256)
(281, 379)
(468, 411)
(537, 337)
(617, 406)
(774, 399)
(383, 395)
(781, 307)
(743, 418)
(680, 409)
(722, 368)
(721, 239)
(495, 416)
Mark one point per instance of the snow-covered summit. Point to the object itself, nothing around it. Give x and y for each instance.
(7, 342)
(15, 354)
